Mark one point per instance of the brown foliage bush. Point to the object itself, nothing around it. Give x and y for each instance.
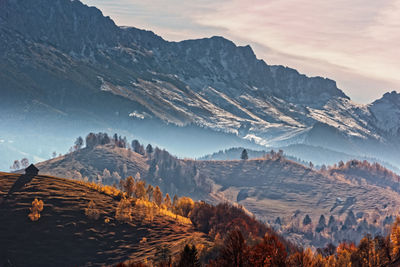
(37, 207)
(91, 212)
(223, 218)
(123, 213)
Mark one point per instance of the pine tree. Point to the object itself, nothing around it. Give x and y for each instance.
(331, 221)
(162, 256)
(350, 219)
(307, 220)
(149, 149)
(189, 257)
(244, 155)
(78, 143)
(321, 224)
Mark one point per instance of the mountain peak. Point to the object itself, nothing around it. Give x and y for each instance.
(391, 96)
(386, 111)
(64, 24)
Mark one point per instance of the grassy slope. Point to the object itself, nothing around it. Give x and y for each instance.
(271, 188)
(268, 188)
(90, 162)
(64, 236)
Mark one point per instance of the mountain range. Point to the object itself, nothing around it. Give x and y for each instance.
(65, 68)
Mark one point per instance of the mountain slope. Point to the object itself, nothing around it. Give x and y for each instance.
(65, 61)
(63, 224)
(273, 187)
(300, 153)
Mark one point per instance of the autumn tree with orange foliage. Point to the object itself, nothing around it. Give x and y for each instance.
(129, 186)
(223, 218)
(269, 252)
(167, 202)
(184, 206)
(140, 190)
(157, 196)
(123, 213)
(37, 207)
(234, 252)
(395, 239)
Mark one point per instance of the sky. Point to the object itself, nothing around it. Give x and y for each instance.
(356, 43)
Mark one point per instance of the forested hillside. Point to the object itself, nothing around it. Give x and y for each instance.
(307, 205)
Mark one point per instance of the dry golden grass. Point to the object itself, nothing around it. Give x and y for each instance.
(65, 236)
(124, 212)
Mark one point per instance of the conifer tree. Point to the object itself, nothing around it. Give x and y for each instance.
(149, 149)
(188, 257)
(78, 143)
(321, 224)
(244, 155)
(307, 220)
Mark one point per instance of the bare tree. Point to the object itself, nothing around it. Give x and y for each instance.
(24, 162)
(16, 165)
(78, 143)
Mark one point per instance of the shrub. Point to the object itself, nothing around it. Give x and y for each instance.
(92, 212)
(37, 207)
(184, 206)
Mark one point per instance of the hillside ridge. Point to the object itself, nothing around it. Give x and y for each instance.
(63, 224)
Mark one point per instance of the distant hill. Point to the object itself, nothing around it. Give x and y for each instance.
(65, 236)
(283, 193)
(365, 172)
(269, 188)
(300, 153)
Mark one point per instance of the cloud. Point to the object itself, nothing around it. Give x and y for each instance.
(341, 39)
